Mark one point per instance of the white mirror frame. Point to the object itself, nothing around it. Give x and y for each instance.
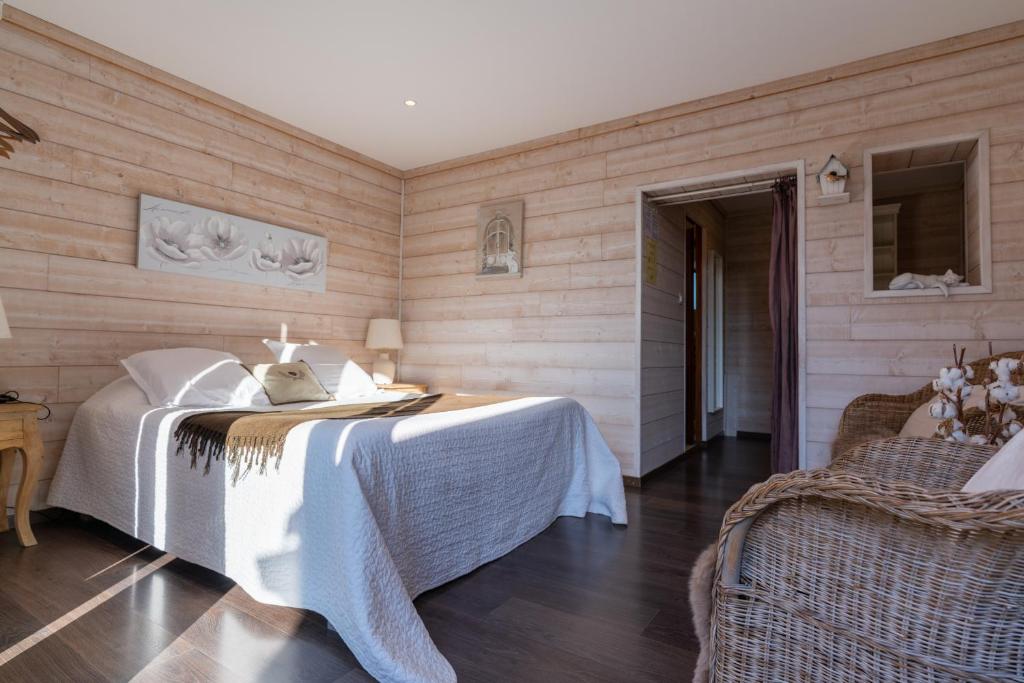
(984, 218)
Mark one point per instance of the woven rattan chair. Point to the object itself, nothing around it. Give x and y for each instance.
(877, 416)
(925, 462)
(828, 575)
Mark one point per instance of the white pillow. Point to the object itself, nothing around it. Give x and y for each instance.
(339, 374)
(194, 377)
(1004, 471)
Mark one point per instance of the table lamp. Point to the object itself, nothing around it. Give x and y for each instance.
(384, 335)
(5, 329)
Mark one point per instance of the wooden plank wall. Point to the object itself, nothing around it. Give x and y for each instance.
(972, 227)
(567, 326)
(68, 217)
(663, 343)
(931, 231)
(748, 327)
(713, 222)
(112, 128)
(663, 336)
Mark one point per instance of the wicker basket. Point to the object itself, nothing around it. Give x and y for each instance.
(876, 416)
(827, 575)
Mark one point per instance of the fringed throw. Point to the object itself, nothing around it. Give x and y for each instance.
(245, 438)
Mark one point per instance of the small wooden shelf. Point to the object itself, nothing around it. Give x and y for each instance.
(832, 199)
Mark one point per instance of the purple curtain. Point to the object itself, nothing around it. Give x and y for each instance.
(782, 304)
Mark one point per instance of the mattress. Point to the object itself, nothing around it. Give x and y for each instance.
(360, 517)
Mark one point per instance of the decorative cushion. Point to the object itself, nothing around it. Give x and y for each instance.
(1005, 470)
(289, 382)
(194, 377)
(920, 422)
(338, 374)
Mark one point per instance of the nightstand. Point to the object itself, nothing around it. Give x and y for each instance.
(404, 386)
(19, 432)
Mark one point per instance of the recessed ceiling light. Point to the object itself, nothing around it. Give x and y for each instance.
(410, 103)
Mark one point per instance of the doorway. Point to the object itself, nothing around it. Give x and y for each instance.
(704, 354)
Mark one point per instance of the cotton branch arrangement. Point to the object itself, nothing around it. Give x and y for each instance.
(954, 387)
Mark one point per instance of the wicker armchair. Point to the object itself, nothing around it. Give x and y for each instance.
(826, 575)
(876, 416)
(925, 462)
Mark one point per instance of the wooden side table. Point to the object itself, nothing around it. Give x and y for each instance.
(404, 386)
(19, 433)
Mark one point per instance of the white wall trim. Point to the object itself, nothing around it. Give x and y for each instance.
(638, 332)
(730, 177)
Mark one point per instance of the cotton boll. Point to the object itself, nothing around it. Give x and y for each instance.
(1013, 428)
(1003, 368)
(942, 409)
(969, 372)
(1004, 393)
(965, 391)
(979, 440)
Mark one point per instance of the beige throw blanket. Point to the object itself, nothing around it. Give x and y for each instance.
(245, 437)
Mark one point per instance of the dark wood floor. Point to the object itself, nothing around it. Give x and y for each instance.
(584, 601)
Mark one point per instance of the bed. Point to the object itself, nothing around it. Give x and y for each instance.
(360, 517)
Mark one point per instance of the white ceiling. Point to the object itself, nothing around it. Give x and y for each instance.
(488, 73)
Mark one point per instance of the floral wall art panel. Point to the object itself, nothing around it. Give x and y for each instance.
(189, 240)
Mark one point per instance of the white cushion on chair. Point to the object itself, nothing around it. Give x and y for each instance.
(1004, 471)
(921, 422)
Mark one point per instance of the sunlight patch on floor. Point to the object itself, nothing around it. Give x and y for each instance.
(83, 609)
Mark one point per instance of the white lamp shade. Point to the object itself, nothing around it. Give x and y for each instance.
(5, 329)
(384, 333)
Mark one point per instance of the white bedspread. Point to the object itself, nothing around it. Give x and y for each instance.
(361, 517)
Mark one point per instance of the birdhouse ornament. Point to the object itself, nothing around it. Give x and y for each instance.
(832, 177)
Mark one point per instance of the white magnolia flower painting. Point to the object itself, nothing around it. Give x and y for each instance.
(185, 239)
(222, 240)
(302, 259)
(172, 241)
(266, 256)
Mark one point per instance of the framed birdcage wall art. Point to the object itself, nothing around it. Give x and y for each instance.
(499, 239)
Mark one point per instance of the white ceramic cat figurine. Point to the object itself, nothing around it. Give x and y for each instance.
(915, 281)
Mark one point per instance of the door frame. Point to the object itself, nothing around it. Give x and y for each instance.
(695, 262)
(728, 178)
